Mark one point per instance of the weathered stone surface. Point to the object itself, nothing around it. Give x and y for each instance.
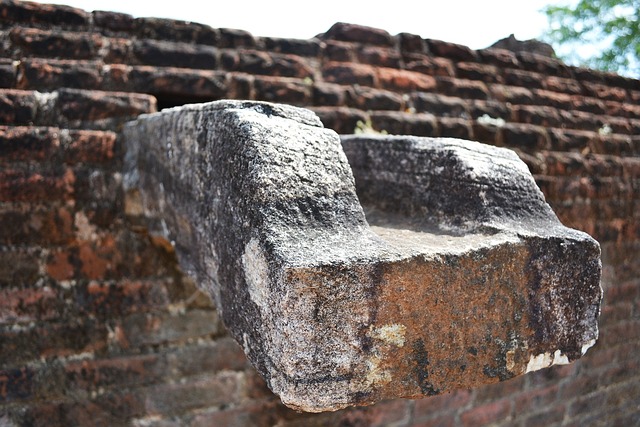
(459, 274)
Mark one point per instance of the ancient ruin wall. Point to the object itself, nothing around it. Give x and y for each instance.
(99, 327)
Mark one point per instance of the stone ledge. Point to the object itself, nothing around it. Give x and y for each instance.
(440, 266)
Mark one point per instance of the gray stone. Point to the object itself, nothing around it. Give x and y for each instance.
(440, 266)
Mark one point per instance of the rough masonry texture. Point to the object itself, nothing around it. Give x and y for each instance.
(459, 275)
(100, 327)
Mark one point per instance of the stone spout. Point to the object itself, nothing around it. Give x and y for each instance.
(365, 268)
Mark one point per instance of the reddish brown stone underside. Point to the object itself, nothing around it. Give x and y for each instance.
(62, 239)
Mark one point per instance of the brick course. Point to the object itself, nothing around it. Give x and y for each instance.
(99, 327)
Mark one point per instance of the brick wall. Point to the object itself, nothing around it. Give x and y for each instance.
(99, 327)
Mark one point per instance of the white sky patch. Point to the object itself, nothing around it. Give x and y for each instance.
(471, 23)
(544, 360)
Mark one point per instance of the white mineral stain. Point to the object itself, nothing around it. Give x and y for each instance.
(510, 359)
(390, 334)
(256, 273)
(587, 346)
(544, 360)
(86, 231)
(376, 375)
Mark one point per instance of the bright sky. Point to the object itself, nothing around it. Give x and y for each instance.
(474, 23)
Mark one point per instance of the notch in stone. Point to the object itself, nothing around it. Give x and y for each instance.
(366, 268)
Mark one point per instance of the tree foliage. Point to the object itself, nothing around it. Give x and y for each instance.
(608, 31)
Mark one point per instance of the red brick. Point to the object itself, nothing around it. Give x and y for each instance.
(35, 13)
(584, 383)
(622, 109)
(342, 120)
(338, 51)
(278, 89)
(16, 384)
(17, 107)
(399, 123)
(439, 105)
(56, 44)
(543, 64)
(111, 299)
(223, 354)
(567, 139)
(613, 145)
(202, 392)
(374, 99)
(549, 416)
(404, 81)
(411, 43)
(93, 146)
(588, 74)
(625, 395)
(43, 74)
(113, 21)
(116, 50)
(554, 99)
(108, 409)
(614, 79)
(78, 106)
(381, 57)
(235, 38)
(525, 137)
(379, 415)
(474, 71)
(493, 109)
(240, 86)
(25, 186)
(348, 74)
(19, 266)
(591, 105)
(600, 91)
(177, 31)
(51, 340)
(503, 389)
(431, 66)
(537, 115)
(453, 51)
(511, 94)
(24, 143)
(258, 414)
(559, 84)
(499, 57)
(306, 48)
(27, 305)
(128, 371)
(523, 78)
(622, 292)
(445, 403)
(489, 413)
(256, 386)
(585, 404)
(581, 120)
(385, 413)
(536, 399)
(271, 64)
(466, 89)
(7, 73)
(329, 94)
(437, 421)
(358, 33)
(455, 128)
(108, 256)
(158, 328)
(173, 54)
(619, 124)
(167, 83)
(620, 332)
(487, 133)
